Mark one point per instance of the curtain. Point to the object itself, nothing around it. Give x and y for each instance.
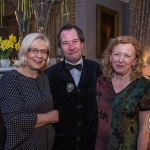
(54, 27)
(139, 23)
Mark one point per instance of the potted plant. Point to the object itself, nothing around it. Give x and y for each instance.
(6, 47)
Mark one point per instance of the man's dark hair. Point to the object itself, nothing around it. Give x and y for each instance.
(69, 27)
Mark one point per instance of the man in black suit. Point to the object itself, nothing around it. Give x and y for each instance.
(73, 86)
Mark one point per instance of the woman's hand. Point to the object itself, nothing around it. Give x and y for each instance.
(53, 116)
(50, 117)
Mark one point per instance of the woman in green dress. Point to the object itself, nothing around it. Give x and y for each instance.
(123, 97)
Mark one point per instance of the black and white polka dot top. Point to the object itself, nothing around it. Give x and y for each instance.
(21, 99)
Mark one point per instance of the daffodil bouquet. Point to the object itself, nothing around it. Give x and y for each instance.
(7, 45)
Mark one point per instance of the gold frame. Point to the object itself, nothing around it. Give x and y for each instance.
(73, 12)
(107, 27)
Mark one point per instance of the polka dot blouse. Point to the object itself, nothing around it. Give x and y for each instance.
(22, 98)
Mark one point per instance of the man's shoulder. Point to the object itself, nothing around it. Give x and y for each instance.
(91, 62)
(93, 66)
(53, 67)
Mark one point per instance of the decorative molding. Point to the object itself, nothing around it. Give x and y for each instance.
(126, 1)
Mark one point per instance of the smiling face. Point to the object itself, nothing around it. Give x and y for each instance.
(36, 60)
(123, 57)
(71, 46)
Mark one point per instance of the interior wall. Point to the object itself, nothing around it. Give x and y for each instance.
(85, 18)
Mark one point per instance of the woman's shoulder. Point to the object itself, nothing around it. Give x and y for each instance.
(103, 82)
(10, 74)
(43, 77)
(8, 79)
(102, 78)
(143, 80)
(141, 84)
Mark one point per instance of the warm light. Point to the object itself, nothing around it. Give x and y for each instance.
(146, 71)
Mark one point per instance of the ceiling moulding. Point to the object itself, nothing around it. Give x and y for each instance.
(126, 1)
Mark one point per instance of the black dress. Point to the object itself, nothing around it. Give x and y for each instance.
(22, 98)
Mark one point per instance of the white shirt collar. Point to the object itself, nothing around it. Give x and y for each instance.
(79, 62)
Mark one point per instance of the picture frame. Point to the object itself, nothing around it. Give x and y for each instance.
(107, 27)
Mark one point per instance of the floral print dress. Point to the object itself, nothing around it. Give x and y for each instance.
(119, 114)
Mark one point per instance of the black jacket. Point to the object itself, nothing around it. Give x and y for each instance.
(77, 106)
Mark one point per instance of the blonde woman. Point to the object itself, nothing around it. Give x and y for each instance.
(26, 100)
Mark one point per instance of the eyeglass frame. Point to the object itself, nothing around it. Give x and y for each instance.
(42, 52)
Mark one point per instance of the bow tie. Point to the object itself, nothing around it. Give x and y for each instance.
(69, 66)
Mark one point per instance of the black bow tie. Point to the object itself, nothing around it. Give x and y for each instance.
(69, 66)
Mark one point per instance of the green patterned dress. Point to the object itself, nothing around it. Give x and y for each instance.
(119, 114)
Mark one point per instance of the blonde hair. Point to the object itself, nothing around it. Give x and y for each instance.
(25, 45)
(136, 71)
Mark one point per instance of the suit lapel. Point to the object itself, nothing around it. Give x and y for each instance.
(85, 72)
(65, 72)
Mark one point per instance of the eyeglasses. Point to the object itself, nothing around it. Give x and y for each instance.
(35, 51)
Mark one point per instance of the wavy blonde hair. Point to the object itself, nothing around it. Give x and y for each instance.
(136, 71)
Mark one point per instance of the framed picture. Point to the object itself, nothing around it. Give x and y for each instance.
(107, 27)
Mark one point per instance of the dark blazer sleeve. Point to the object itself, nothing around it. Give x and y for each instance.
(99, 71)
(91, 135)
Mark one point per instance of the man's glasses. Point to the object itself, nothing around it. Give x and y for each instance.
(35, 51)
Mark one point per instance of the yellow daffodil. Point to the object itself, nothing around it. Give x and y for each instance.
(4, 41)
(4, 46)
(7, 45)
(12, 38)
(10, 44)
(17, 46)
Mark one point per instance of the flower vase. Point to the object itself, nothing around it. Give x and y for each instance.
(5, 63)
